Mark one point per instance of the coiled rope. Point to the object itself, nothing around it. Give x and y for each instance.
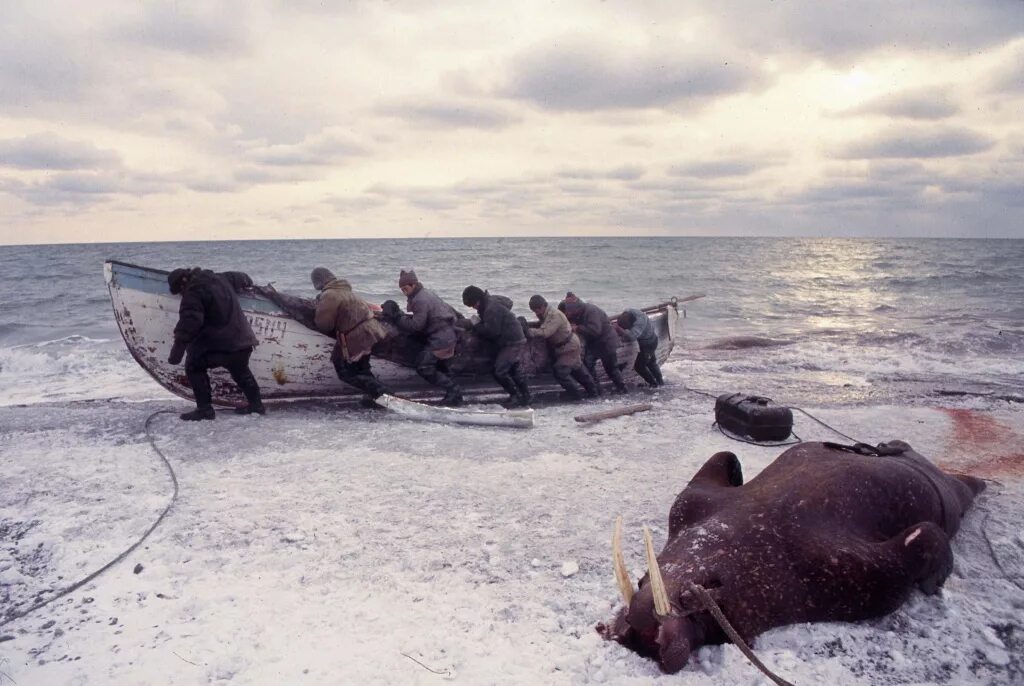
(128, 551)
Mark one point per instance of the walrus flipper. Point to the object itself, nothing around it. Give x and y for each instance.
(700, 498)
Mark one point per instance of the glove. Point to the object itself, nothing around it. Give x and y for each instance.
(390, 311)
(526, 325)
(177, 352)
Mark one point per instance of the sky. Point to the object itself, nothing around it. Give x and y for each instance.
(329, 119)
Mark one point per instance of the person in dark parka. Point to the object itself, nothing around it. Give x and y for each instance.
(594, 327)
(433, 320)
(213, 331)
(501, 328)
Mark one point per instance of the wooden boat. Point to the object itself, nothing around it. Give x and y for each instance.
(292, 361)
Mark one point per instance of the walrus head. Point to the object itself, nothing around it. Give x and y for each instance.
(653, 624)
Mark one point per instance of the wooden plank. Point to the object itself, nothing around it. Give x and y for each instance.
(613, 412)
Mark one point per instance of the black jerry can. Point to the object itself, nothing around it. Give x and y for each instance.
(757, 418)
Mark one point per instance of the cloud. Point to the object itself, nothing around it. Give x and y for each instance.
(625, 172)
(53, 152)
(451, 114)
(39, 62)
(836, 31)
(87, 188)
(919, 104)
(327, 148)
(721, 168)
(580, 78)
(191, 28)
(918, 143)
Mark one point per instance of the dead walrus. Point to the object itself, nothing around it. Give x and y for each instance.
(822, 534)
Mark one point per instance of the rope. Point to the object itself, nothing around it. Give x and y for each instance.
(78, 584)
(752, 442)
(711, 606)
(830, 428)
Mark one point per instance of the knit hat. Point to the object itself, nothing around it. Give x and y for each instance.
(471, 296)
(321, 276)
(570, 297)
(573, 308)
(407, 278)
(537, 302)
(176, 279)
(626, 320)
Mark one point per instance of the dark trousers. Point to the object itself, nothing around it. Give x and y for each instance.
(435, 371)
(359, 375)
(507, 371)
(609, 360)
(564, 375)
(237, 364)
(646, 364)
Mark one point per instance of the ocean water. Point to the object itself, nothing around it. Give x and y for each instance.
(831, 321)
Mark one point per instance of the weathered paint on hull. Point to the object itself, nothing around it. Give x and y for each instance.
(291, 361)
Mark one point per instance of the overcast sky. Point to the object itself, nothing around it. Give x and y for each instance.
(325, 118)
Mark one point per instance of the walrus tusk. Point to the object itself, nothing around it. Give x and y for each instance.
(619, 564)
(658, 593)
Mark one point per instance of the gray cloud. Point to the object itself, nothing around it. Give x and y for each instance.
(918, 104)
(918, 143)
(838, 31)
(53, 152)
(40, 63)
(323, 149)
(88, 188)
(588, 78)
(451, 114)
(721, 168)
(201, 29)
(625, 172)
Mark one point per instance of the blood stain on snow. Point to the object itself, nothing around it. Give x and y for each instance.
(983, 446)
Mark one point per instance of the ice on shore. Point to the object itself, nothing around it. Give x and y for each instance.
(324, 546)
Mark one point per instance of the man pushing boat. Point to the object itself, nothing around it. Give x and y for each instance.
(214, 332)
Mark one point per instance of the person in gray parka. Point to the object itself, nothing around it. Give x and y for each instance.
(637, 326)
(432, 320)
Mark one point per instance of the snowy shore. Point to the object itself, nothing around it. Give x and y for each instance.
(319, 545)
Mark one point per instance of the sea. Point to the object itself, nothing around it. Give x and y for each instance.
(831, 321)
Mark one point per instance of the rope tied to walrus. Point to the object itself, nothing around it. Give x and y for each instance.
(711, 606)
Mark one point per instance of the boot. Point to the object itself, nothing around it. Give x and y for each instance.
(199, 414)
(200, 382)
(590, 387)
(452, 397)
(510, 387)
(247, 384)
(656, 373)
(616, 376)
(522, 389)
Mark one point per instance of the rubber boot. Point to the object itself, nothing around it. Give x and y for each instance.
(452, 397)
(510, 387)
(590, 387)
(199, 414)
(247, 384)
(521, 388)
(200, 382)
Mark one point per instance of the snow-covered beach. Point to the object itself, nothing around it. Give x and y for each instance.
(328, 545)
